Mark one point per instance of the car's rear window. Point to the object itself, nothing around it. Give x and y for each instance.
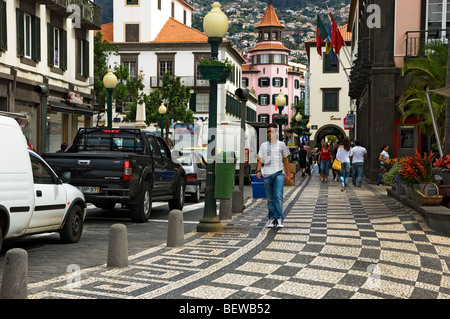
(110, 140)
(185, 160)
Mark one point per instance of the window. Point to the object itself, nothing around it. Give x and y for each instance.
(438, 14)
(330, 100)
(277, 82)
(28, 35)
(263, 118)
(264, 58)
(277, 58)
(3, 26)
(245, 82)
(296, 84)
(132, 32)
(184, 17)
(330, 66)
(41, 173)
(264, 82)
(173, 10)
(159, 4)
(57, 47)
(82, 57)
(131, 62)
(202, 102)
(132, 2)
(263, 99)
(154, 147)
(165, 66)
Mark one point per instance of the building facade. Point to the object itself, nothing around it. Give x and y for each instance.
(45, 42)
(328, 103)
(267, 71)
(382, 40)
(169, 43)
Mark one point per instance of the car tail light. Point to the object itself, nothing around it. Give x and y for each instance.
(191, 176)
(127, 170)
(111, 131)
(246, 156)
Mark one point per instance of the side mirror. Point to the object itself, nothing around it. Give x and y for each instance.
(66, 177)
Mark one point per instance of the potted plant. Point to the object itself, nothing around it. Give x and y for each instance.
(443, 163)
(391, 177)
(280, 119)
(212, 69)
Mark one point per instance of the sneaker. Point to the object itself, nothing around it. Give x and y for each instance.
(271, 223)
(279, 223)
(342, 188)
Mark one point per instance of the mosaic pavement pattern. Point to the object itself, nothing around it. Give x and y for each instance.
(360, 244)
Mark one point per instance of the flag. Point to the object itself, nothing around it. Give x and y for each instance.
(336, 37)
(321, 35)
(328, 46)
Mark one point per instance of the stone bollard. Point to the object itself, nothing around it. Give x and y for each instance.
(225, 209)
(237, 205)
(118, 246)
(175, 231)
(15, 275)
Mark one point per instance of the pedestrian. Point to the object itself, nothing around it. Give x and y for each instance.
(334, 152)
(309, 161)
(384, 155)
(275, 156)
(325, 162)
(358, 159)
(302, 159)
(63, 148)
(343, 155)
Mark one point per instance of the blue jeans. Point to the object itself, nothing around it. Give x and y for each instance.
(274, 186)
(357, 173)
(325, 167)
(344, 173)
(380, 175)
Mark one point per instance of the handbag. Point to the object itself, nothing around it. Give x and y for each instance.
(336, 165)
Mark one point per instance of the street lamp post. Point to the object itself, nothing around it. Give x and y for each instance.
(280, 100)
(110, 82)
(162, 111)
(215, 25)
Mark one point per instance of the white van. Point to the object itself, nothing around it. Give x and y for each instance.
(228, 138)
(33, 199)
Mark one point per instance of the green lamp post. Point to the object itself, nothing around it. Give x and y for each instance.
(162, 111)
(215, 25)
(110, 82)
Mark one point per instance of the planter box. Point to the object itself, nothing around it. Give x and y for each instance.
(214, 72)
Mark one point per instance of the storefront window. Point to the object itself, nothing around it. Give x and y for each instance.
(54, 132)
(30, 130)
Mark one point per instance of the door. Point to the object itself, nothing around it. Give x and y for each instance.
(50, 197)
(158, 165)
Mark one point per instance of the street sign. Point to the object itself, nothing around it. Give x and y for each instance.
(349, 121)
(304, 139)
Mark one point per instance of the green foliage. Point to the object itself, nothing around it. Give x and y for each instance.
(390, 177)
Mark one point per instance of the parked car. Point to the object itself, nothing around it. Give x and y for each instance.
(129, 166)
(195, 166)
(33, 199)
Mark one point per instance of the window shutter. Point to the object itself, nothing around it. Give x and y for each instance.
(259, 99)
(20, 33)
(51, 45)
(36, 39)
(259, 82)
(3, 29)
(85, 58)
(281, 82)
(193, 102)
(63, 49)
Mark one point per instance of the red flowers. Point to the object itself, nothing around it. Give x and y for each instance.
(443, 162)
(417, 169)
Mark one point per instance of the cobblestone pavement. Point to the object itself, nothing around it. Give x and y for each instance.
(360, 244)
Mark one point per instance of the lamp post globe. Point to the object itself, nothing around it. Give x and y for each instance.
(215, 23)
(308, 126)
(110, 82)
(162, 111)
(280, 101)
(298, 117)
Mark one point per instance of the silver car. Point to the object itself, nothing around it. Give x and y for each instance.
(195, 166)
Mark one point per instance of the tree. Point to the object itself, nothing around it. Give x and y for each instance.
(299, 127)
(175, 97)
(429, 69)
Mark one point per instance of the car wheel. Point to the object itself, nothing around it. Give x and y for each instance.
(178, 200)
(141, 211)
(195, 198)
(73, 227)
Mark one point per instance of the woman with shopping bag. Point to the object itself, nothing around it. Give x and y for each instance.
(343, 155)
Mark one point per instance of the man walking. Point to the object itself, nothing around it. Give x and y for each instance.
(272, 157)
(358, 159)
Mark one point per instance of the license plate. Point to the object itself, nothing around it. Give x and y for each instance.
(89, 189)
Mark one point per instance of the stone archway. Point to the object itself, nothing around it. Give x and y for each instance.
(329, 129)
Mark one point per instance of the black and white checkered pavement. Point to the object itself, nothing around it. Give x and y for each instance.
(360, 244)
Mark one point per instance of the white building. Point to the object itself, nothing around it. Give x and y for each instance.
(327, 99)
(167, 42)
(40, 44)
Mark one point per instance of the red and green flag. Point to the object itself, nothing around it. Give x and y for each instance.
(321, 35)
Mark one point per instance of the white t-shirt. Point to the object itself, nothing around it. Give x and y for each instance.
(271, 155)
(385, 156)
(343, 155)
(358, 154)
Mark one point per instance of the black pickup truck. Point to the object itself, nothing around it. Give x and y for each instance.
(128, 166)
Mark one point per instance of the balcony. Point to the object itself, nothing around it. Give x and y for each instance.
(89, 12)
(361, 67)
(190, 81)
(414, 39)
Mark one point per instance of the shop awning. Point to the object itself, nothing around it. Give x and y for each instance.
(443, 91)
(70, 108)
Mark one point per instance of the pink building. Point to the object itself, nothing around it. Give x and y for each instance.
(268, 72)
